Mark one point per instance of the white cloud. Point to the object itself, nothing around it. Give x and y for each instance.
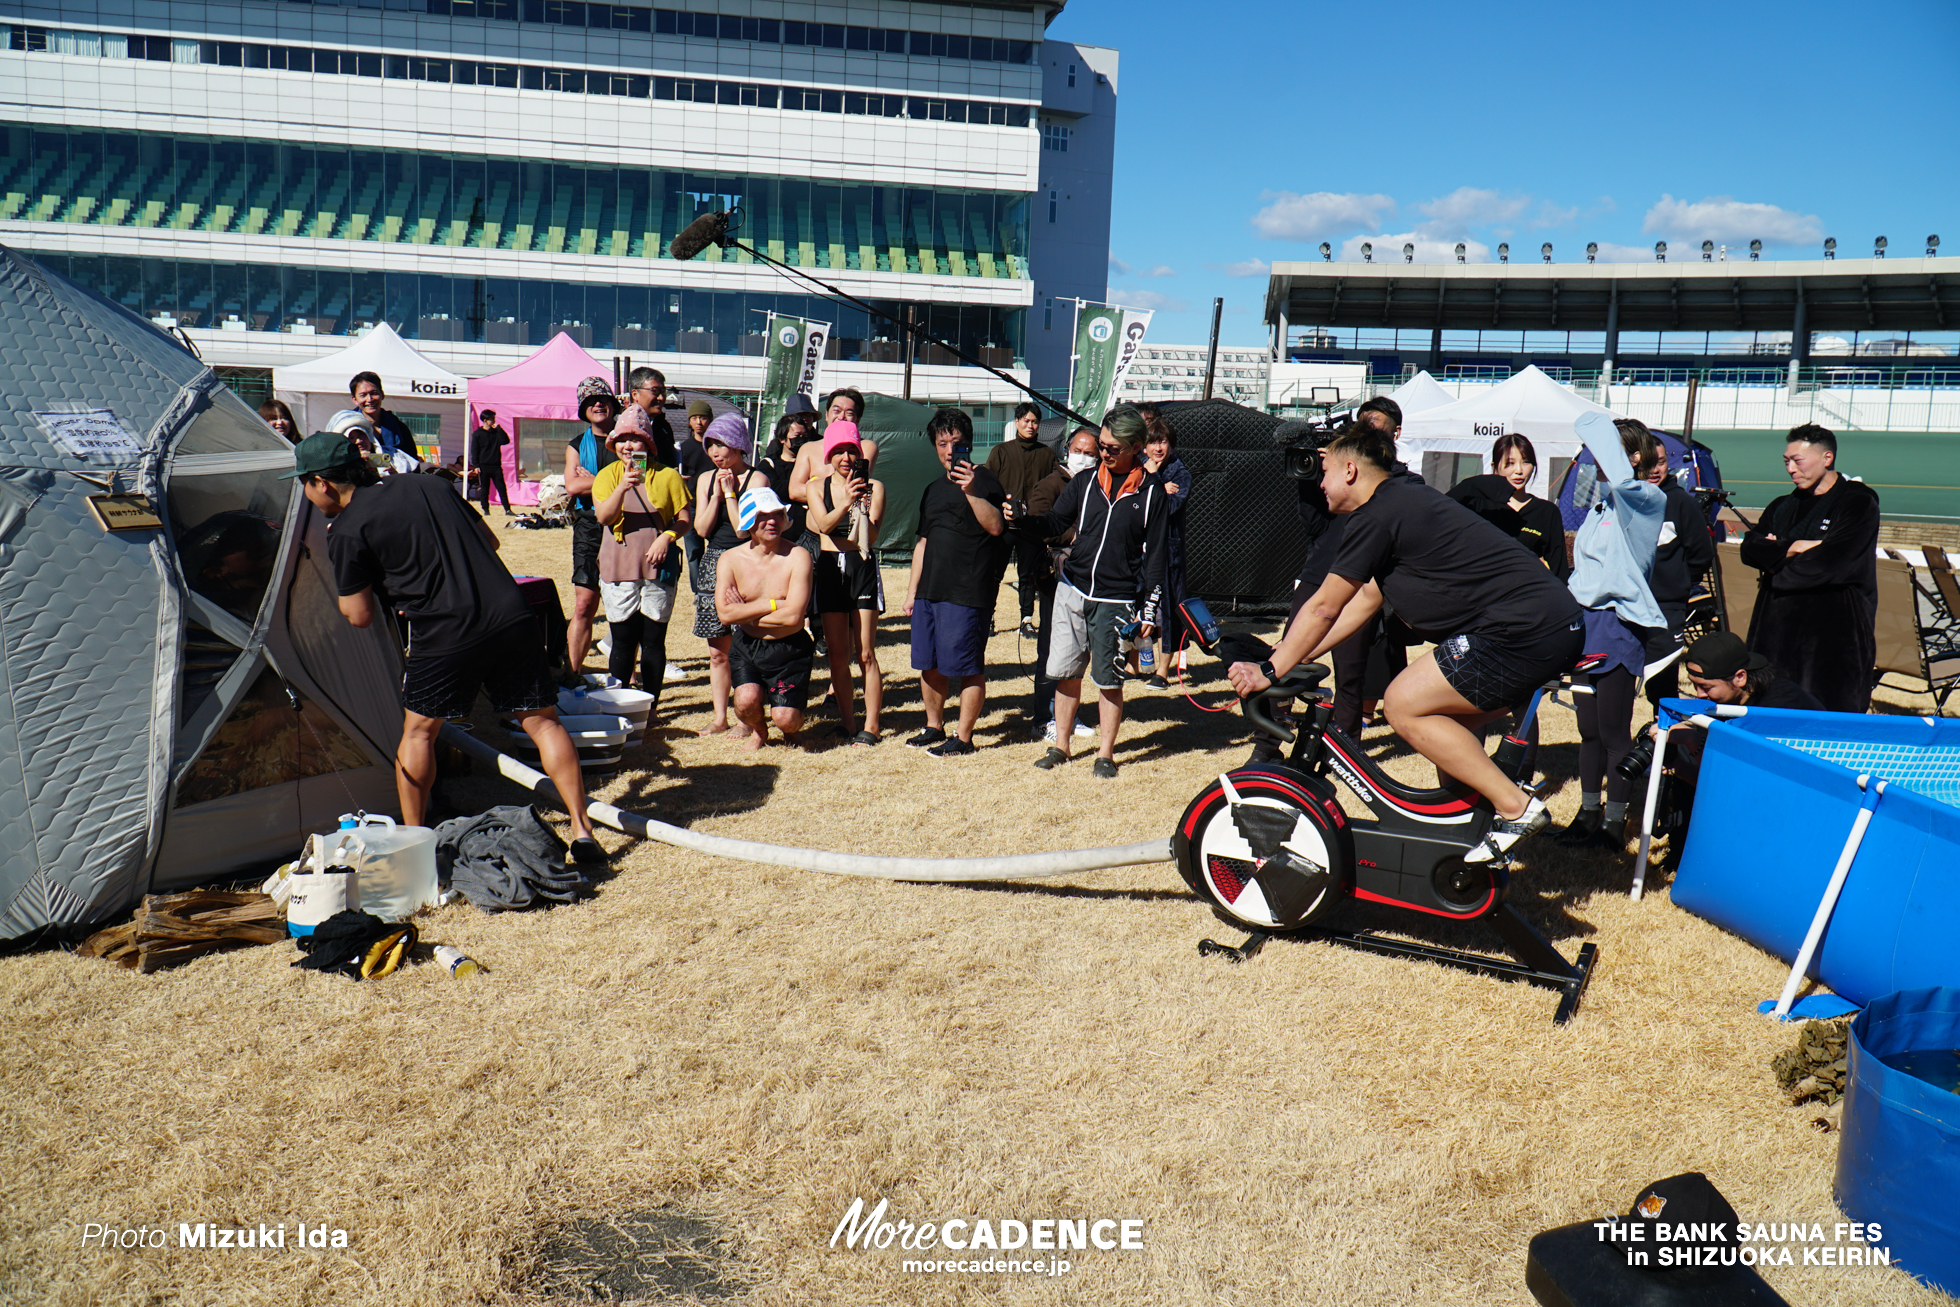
(1150, 299)
(1307, 217)
(1725, 220)
(1117, 267)
(1253, 267)
(1467, 207)
(1553, 215)
(1388, 248)
(1162, 270)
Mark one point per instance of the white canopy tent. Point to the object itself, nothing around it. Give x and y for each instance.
(1530, 404)
(317, 389)
(1419, 394)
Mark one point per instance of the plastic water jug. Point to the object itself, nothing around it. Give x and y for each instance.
(397, 866)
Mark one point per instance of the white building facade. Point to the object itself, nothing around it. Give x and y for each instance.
(1162, 373)
(275, 177)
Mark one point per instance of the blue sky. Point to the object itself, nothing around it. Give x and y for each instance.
(1248, 132)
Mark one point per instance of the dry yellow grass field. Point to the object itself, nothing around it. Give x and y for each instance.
(724, 1056)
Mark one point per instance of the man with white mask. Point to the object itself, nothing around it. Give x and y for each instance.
(1041, 498)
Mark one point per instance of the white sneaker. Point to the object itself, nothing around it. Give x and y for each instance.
(1081, 732)
(674, 672)
(1503, 834)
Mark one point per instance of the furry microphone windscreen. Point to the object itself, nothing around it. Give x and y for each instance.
(706, 230)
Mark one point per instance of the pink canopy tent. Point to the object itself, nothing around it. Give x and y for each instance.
(544, 385)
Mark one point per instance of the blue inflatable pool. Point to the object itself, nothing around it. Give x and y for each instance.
(1777, 797)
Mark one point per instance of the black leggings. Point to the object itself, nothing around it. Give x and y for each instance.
(636, 636)
(1605, 732)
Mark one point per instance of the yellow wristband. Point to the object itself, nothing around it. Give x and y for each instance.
(772, 605)
(671, 536)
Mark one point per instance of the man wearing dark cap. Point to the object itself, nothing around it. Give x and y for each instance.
(1723, 670)
(487, 457)
(586, 456)
(416, 541)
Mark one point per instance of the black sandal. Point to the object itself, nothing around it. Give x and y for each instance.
(866, 737)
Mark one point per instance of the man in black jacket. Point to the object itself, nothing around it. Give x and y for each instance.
(487, 459)
(1122, 531)
(1817, 548)
(1020, 464)
(1685, 552)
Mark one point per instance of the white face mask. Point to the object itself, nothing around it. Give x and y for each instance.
(1080, 463)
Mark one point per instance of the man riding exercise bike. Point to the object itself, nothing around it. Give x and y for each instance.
(1503, 624)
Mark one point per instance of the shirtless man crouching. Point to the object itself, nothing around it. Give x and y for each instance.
(764, 594)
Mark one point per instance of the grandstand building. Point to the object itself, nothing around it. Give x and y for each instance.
(275, 176)
(1735, 350)
(1166, 372)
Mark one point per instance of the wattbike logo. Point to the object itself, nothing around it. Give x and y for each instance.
(977, 1243)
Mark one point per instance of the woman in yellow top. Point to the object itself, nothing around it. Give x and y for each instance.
(646, 505)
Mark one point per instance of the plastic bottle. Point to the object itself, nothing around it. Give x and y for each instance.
(456, 962)
(1147, 658)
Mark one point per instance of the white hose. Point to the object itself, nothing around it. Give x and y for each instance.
(1025, 866)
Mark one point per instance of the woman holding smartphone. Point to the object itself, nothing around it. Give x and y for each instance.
(645, 505)
(727, 443)
(846, 509)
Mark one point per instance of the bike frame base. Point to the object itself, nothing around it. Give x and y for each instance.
(1538, 962)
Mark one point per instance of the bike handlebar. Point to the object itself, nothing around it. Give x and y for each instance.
(1301, 680)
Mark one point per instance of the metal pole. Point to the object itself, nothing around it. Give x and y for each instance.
(619, 378)
(1612, 335)
(1211, 359)
(1688, 422)
(908, 345)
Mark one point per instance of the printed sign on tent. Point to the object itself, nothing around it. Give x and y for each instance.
(796, 353)
(1106, 340)
(94, 433)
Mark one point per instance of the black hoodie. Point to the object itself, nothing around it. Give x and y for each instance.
(1121, 535)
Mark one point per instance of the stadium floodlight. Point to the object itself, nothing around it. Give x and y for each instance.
(1545, 251)
(1878, 248)
(1326, 252)
(1459, 251)
(1830, 247)
(1660, 251)
(1367, 251)
(1504, 252)
(1592, 251)
(1708, 251)
(1932, 247)
(1408, 252)
(1755, 250)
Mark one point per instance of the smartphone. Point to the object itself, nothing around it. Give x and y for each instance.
(638, 460)
(962, 454)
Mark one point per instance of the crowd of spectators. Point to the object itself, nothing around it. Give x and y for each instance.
(781, 557)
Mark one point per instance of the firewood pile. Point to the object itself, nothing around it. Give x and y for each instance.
(173, 928)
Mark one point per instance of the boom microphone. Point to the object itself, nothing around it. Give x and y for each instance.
(708, 229)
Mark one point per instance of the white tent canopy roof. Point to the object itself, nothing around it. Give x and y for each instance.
(1419, 394)
(1530, 404)
(404, 372)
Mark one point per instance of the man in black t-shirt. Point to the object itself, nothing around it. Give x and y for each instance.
(956, 571)
(417, 541)
(1503, 624)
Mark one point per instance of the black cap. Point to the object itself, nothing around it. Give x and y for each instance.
(1720, 656)
(322, 454)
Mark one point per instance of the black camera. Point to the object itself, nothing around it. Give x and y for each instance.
(1638, 759)
(1300, 443)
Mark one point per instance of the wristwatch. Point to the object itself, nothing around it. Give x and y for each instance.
(1266, 670)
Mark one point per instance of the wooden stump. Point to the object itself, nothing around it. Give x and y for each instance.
(173, 928)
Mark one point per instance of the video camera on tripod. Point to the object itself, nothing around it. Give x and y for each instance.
(1300, 441)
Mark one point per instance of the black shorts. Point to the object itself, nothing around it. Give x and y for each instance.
(1494, 675)
(780, 667)
(586, 534)
(509, 667)
(847, 582)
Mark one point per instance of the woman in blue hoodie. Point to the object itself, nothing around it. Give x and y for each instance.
(1612, 575)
